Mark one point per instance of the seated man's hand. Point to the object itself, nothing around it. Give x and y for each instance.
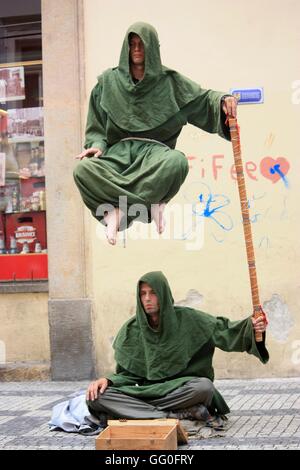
(99, 385)
(92, 152)
(259, 324)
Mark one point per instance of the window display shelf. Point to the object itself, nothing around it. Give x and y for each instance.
(23, 212)
(26, 267)
(24, 139)
(23, 237)
(18, 287)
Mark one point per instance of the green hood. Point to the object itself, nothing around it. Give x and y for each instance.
(153, 65)
(157, 355)
(153, 100)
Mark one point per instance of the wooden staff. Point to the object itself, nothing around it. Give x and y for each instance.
(236, 145)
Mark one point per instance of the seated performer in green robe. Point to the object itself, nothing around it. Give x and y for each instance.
(136, 113)
(164, 359)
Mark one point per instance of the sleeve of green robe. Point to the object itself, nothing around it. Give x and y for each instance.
(238, 336)
(95, 132)
(122, 377)
(206, 113)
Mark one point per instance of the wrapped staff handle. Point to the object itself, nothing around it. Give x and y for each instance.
(236, 146)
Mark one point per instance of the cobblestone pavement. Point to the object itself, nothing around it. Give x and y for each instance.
(265, 415)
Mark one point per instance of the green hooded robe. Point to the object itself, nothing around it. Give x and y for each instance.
(152, 363)
(156, 108)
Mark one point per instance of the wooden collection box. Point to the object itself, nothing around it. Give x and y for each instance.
(141, 434)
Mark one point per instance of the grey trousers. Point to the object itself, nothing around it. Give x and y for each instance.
(118, 405)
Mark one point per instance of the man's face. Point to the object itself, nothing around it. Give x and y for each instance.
(136, 50)
(149, 299)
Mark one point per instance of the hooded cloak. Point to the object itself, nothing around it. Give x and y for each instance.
(155, 107)
(152, 363)
(154, 99)
(136, 125)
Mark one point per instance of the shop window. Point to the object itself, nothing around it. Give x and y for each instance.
(23, 239)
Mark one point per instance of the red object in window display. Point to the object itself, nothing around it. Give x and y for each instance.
(2, 230)
(29, 267)
(27, 227)
(3, 123)
(31, 185)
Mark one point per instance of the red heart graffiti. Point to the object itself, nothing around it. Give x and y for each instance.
(268, 169)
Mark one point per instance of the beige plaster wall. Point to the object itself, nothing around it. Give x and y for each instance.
(220, 44)
(62, 98)
(24, 330)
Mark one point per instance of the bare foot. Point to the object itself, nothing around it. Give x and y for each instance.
(157, 212)
(112, 220)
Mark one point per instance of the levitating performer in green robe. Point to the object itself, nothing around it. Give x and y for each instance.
(136, 113)
(164, 359)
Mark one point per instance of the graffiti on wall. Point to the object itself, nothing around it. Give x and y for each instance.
(216, 208)
(273, 169)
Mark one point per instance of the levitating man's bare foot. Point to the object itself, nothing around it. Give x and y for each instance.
(112, 220)
(157, 212)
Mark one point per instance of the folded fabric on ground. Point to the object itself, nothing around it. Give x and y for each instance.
(73, 416)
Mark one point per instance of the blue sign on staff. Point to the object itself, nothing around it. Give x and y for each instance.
(248, 95)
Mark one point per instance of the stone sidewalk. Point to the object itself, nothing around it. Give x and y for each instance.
(265, 415)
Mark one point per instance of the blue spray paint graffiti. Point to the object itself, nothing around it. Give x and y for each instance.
(264, 241)
(209, 206)
(257, 217)
(276, 169)
(212, 205)
(284, 212)
(215, 208)
(214, 213)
